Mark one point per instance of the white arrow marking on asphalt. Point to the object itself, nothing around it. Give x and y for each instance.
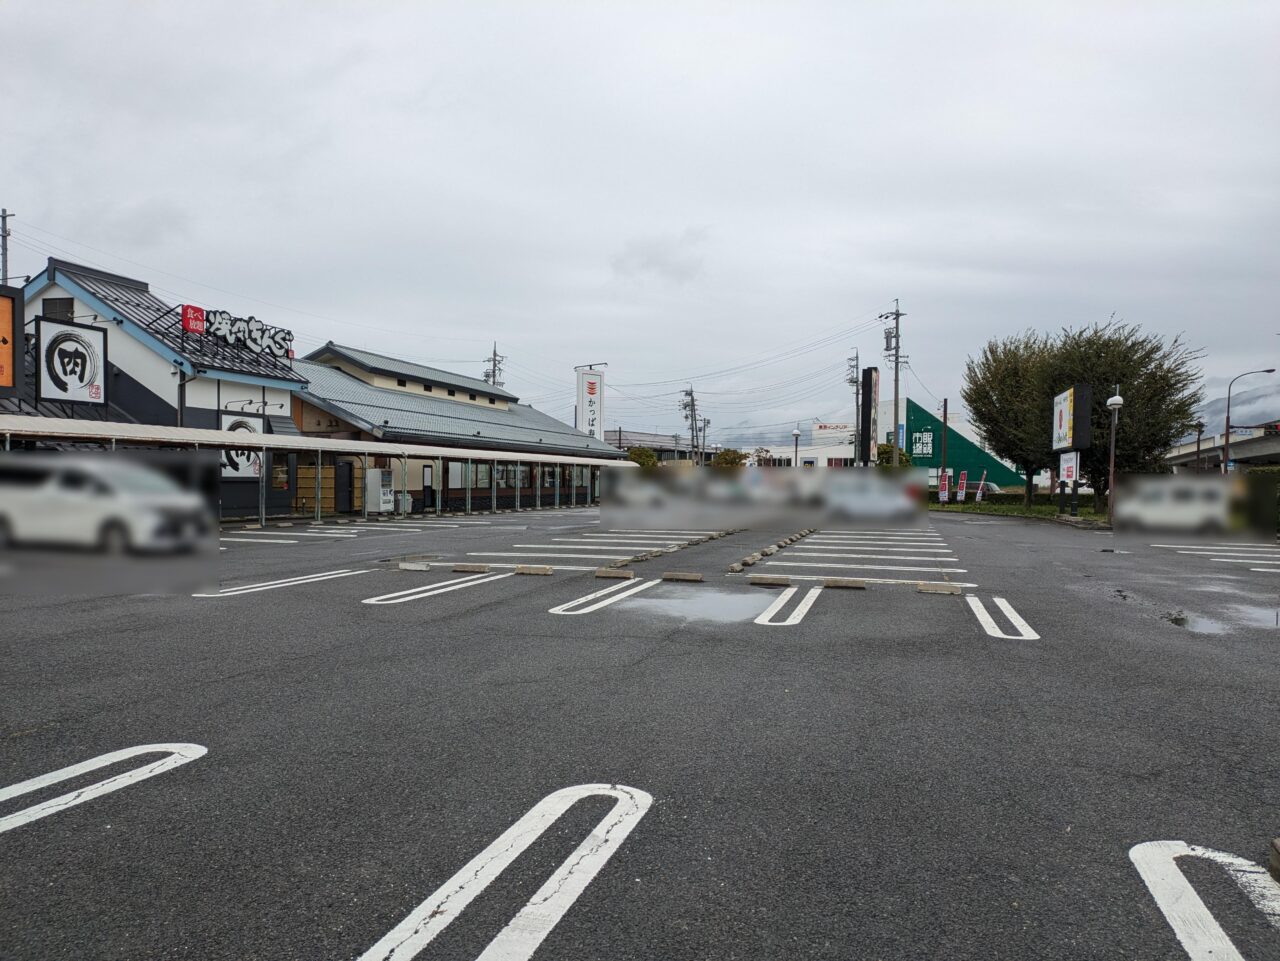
(1025, 633)
(522, 935)
(609, 594)
(177, 755)
(797, 615)
(1196, 928)
(430, 590)
(286, 582)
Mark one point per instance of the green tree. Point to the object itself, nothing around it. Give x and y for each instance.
(1159, 380)
(728, 458)
(884, 457)
(1006, 389)
(643, 456)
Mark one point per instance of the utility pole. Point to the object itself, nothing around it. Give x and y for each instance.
(690, 407)
(4, 246)
(944, 443)
(702, 447)
(854, 379)
(893, 345)
(493, 373)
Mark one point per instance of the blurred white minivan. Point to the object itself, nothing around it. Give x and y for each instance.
(96, 502)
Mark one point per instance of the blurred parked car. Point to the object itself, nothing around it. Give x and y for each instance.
(1171, 503)
(97, 502)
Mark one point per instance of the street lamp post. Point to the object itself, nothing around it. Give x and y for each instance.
(1226, 440)
(1114, 403)
(795, 437)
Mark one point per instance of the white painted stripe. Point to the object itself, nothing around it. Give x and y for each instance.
(886, 535)
(870, 567)
(531, 925)
(620, 550)
(634, 545)
(871, 580)
(1194, 925)
(1241, 560)
(176, 755)
(611, 595)
(796, 616)
(1266, 570)
(554, 567)
(667, 539)
(1252, 555)
(1226, 547)
(602, 557)
(283, 582)
(252, 540)
(1025, 633)
(430, 590)
(617, 530)
(887, 541)
(264, 534)
(883, 557)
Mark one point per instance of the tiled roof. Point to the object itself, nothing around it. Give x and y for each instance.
(133, 300)
(396, 413)
(393, 367)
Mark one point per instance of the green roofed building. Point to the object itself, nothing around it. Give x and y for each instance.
(924, 444)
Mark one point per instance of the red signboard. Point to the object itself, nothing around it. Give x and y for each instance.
(944, 494)
(192, 319)
(960, 486)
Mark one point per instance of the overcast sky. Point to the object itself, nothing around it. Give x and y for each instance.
(679, 190)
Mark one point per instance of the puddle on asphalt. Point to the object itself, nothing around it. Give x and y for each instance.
(1238, 615)
(705, 604)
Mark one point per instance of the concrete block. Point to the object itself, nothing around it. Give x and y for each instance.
(533, 569)
(769, 580)
(252, 527)
(735, 568)
(748, 561)
(471, 568)
(850, 582)
(769, 551)
(929, 587)
(343, 520)
(284, 523)
(414, 566)
(615, 572)
(681, 576)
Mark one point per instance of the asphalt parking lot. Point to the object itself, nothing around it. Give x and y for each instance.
(349, 760)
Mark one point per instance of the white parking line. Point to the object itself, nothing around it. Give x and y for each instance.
(522, 935)
(602, 557)
(869, 567)
(634, 545)
(177, 755)
(1241, 560)
(253, 540)
(430, 590)
(863, 541)
(1225, 547)
(883, 557)
(796, 616)
(265, 534)
(873, 580)
(1252, 555)
(1025, 633)
(611, 595)
(1266, 570)
(284, 582)
(619, 530)
(1194, 925)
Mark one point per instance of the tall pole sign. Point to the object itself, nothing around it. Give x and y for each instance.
(869, 429)
(590, 413)
(1072, 433)
(12, 342)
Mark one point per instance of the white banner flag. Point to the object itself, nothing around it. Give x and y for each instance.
(591, 403)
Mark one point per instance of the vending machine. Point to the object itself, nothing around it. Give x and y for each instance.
(379, 491)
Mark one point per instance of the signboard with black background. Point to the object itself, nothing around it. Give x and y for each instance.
(71, 361)
(12, 346)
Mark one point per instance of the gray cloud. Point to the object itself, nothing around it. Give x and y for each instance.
(432, 177)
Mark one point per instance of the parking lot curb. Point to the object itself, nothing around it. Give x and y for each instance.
(852, 583)
(615, 572)
(926, 587)
(735, 568)
(769, 580)
(533, 569)
(471, 568)
(682, 576)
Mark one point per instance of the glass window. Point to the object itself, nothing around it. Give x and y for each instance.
(401, 382)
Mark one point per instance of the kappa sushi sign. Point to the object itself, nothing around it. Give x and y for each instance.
(247, 332)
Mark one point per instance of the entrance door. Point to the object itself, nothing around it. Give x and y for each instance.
(343, 484)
